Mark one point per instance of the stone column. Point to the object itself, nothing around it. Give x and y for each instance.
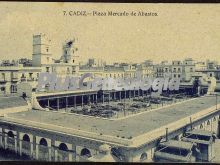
(5, 138)
(66, 103)
(52, 150)
(49, 153)
(37, 151)
(93, 98)
(78, 152)
(58, 104)
(109, 97)
(20, 144)
(48, 102)
(82, 99)
(75, 101)
(70, 156)
(103, 98)
(16, 142)
(1, 137)
(32, 146)
(56, 155)
(129, 94)
(35, 148)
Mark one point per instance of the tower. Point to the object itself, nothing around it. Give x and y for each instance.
(70, 52)
(41, 50)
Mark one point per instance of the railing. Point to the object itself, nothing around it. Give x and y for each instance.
(23, 78)
(62, 155)
(26, 148)
(2, 80)
(11, 143)
(14, 79)
(43, 153)
(30, 79)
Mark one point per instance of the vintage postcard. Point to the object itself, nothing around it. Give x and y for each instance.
(107, 82)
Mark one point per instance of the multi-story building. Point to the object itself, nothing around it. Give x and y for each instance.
(146, 69)
(12, 75)
(177, 69)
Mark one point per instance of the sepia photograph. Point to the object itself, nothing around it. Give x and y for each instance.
(107, 82)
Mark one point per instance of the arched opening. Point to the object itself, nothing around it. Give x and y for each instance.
(63, 154)
(43, 150)
(201, 126)
(85, 152)
(26, 138)
(208, 122)
(43, 142)
(208, 125)
(214, 119)
(26, 145)
(63, 147)
(11, 141)
(143, 156)
(11, 134)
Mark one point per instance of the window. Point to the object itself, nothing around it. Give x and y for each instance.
(208, 122)
(48, 59)
(214, 119)
(47, 69)
(73, 61)
(201, 126)
(68, 70)
(174, 75)
(30, 75)
(191, 69)
(13, 88)
(3, 76)
(47, 49)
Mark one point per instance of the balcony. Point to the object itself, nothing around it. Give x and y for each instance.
(14, 79)
(23, 79)
(30, 79)
(2, 80)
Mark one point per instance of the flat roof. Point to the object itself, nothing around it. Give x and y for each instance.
(11, 102)
(200, 132)
(56, 94)
(178, 144)
(123, 131)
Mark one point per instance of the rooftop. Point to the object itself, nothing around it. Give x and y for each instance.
(125, 131)
(9, 102)
(178, 144)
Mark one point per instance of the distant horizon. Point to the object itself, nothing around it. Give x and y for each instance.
(179, 31)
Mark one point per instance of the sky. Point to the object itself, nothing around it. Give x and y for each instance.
(179, 31)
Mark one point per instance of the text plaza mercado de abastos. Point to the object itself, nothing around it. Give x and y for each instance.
(153, 124)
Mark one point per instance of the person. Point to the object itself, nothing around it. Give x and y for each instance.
(24, 95)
